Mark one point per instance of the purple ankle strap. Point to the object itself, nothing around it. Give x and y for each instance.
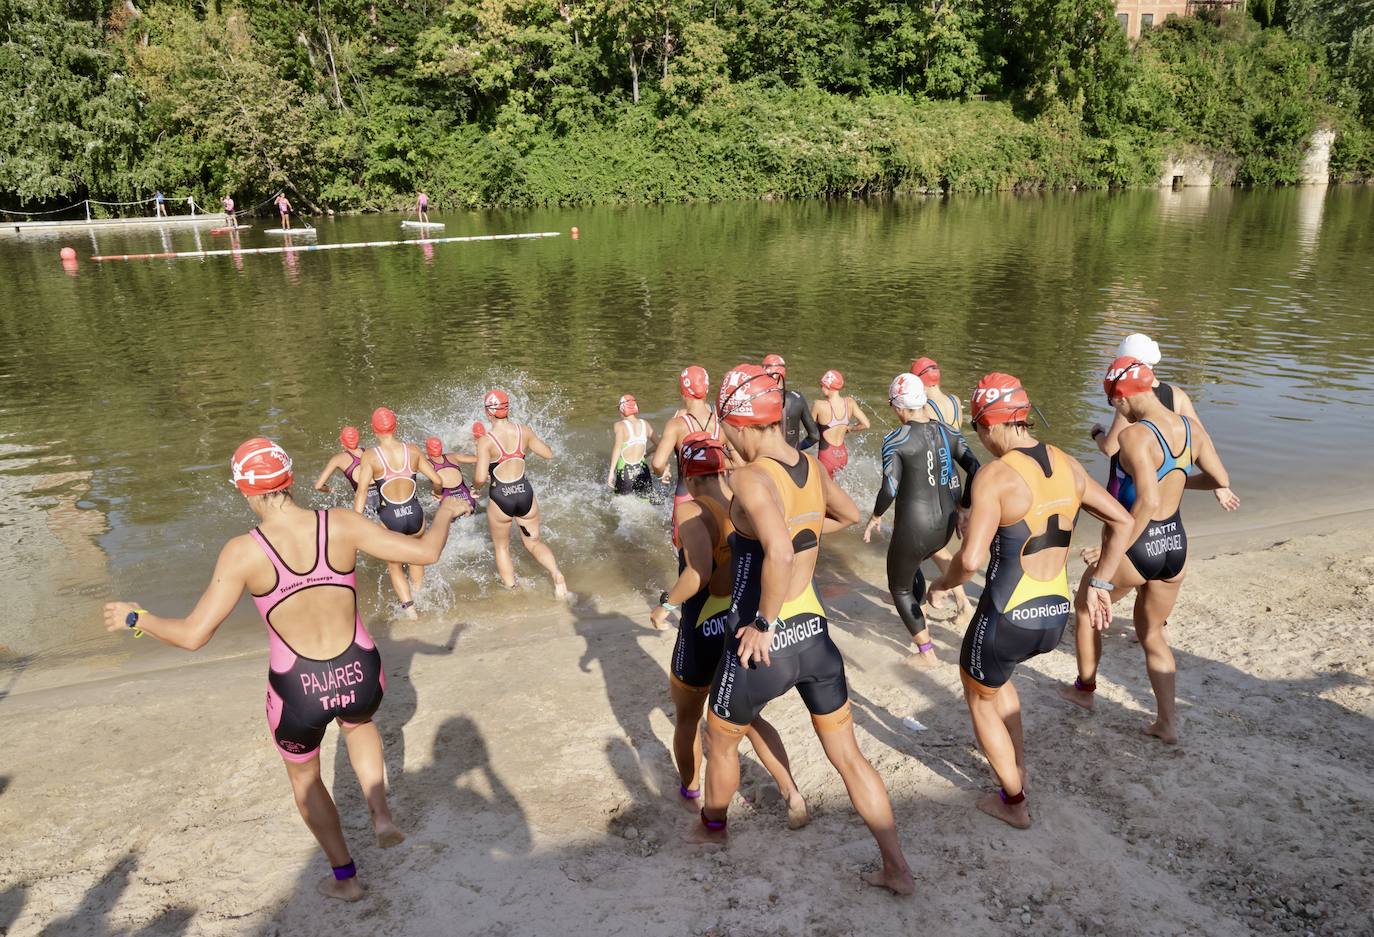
(342, 872)
(689, 794)
(1082, 687)
(715, 826)
(928, 646)
(1016, 798)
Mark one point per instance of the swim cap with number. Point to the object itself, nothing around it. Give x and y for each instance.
(695, 382)
(1000, 398)
(349, 437)
(434, 447)
(1141, 347)
(1127, 376)
(260, 467)
(832, 380)
(702, 454)
(628, 406)
(497, 403)
(383, 421)
(907, 392)
(749, 396)
(774, 365)
(927, 370)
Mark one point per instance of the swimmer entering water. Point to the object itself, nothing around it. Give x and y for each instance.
(501, 460)
(1024, 508)
(346, 463)
(696, 416)
(1158, 452)
(322, 664)
(630, 473)
(391, 465)
(836, 416)
(798, 425)
(947, 409)
(780, 639)
(449, 467)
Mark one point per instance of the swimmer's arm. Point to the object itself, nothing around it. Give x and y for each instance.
(1137, 455)
(195, 630)
(423, 466)
(857, 415)
(812, 432)
(840, 509)
(483, 469)
(376, 540)
(616, 443)
(322, 483)
(770, 528)
(364, 482)
(692, 532)
(1183, 405)
(659, 463)
(970, 464)
(989, 487)
(891, 480)
(1211, 475)
(461, 458)
(537, 445)
(1110, 441)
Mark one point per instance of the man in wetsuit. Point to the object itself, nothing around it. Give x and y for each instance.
(919, 475)
(797, 411)
(1023, 510)
(779, 638)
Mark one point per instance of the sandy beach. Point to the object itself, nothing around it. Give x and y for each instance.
(527, 751)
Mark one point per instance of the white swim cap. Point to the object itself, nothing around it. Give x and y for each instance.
(1141, 347)
(907, 391)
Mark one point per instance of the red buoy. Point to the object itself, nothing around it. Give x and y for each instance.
(67, 253)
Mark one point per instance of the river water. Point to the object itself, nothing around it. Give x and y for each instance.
(125, 386)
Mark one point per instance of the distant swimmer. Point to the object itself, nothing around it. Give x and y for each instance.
(229, 213)
(920, 478)
(629, 472)
(701, 596)
(346, 463)
(284, 209)
(944, 407)
(501, 460)
(1146, 350)
(391, 465)
(422, 207)
(1024, 507)
(836, 416)
(782, 503)
(1159, 451)
(798, 425)
(696, 416)
(323, 666)
(449, 467)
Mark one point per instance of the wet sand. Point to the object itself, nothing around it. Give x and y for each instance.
(529, 763)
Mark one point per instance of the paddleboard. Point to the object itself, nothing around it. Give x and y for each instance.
(303, 232)
(227, 228)
(421, 224)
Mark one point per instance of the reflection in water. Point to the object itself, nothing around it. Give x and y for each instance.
(131, 383)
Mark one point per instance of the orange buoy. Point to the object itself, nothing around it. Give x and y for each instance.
(574, 232)
(67, 253)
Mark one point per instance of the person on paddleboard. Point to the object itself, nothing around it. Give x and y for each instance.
(422, 207)
(323, 666)
(284, 208)
(159, 204)
(229, 214)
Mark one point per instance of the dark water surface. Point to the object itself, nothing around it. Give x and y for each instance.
(124, 388)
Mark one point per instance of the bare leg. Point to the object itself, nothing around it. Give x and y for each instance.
(964, 609)
(365, 754)
(401, 584)
(1153, 604)
(687, 708)
(1087, 639)
(769, 750)
(722, 780)
(529, 536)
(322, 817)
(869, 796)
(498, 522)
(997, 725)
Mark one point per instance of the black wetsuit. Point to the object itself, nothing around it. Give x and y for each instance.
(919, 475)
(796, 416)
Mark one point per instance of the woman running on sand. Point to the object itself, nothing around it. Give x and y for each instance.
(322, 664)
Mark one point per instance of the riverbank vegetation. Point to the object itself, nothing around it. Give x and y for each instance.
(356, 104)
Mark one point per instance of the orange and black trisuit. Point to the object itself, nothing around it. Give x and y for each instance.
(1019, 616)
(701, 628)
(801, 654)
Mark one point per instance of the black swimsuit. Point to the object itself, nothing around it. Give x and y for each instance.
(515, 498)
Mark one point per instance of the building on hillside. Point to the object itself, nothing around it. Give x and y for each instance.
(1136, 16)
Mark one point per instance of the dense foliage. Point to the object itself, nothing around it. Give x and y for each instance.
(358, 103)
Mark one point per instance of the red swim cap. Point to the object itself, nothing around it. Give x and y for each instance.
(1000, 398)
(702, 454)
(628, 406)
(695, 382)
(434, 447)
(832, 380)
(775, 365)
(479, 429)
(497, 403)
(383, 421)
(749, 396)
(1127, 376)
(927, 370)
(260, 467)
(349, 437)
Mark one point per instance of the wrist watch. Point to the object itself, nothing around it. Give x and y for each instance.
(664, 603)
(131, 620)
(1097, 431)
(764, 625)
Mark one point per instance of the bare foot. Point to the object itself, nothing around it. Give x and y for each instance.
(1071, 693)
(690, 804)
(1165, 733)
(387, 834)
(922, 660)
(699, 835)
(560, 588)
(798, 814)
(1017, 815)
(410, 615)
(350, 889)
(897, 882)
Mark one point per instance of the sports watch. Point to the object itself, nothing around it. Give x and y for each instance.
(664, 603)
(764, 625)
(1102, 584)
(131, 621)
